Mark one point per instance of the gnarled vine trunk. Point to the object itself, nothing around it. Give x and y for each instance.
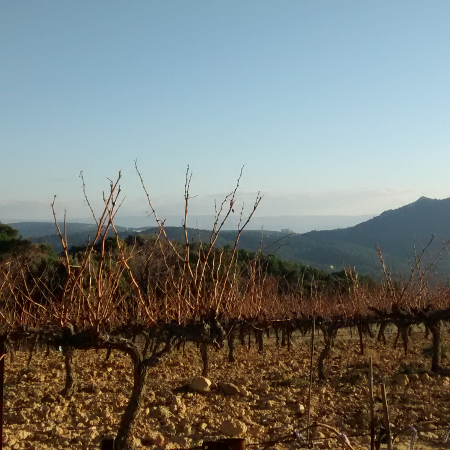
(230, 341)
(69, 385)
(124, 438)
(435, 328)
(329, 334)
(260, 340)
(205, 359)
(361, 339)
(381, 335)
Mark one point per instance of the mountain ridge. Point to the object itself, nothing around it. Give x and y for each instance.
(398, 233)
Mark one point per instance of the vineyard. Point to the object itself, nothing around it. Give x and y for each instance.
(145, 317)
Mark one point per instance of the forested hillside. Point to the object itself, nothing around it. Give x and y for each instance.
(399, 234)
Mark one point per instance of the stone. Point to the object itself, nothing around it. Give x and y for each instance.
(243, 392)
(200, 384)
(22, 435)
(184, 426)
(160, 412)
(256, 431)
(229, 388)
(263, 387)
(169, 427)
(150, 396)
(233, 428)
(180, 440)
(106, 413)
(10, 440)
(316, 434)
(401, 379)
(414, 377)
(425, 378)
(177, 406)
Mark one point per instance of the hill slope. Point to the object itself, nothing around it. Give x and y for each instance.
(40, 232)
(396, 232)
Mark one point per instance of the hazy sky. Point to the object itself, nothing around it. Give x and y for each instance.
(334, 107)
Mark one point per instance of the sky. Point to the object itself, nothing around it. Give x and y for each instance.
(333, 108)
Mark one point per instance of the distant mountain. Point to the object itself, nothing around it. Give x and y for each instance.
(40, 232)
(37, 229)
(299, 224)
(79, 232)
(396, 232)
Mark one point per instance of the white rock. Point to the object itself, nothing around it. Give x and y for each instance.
(233, 428)
(22, 435)
(200, 384)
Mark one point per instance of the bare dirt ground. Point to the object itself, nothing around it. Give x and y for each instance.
(269, 404)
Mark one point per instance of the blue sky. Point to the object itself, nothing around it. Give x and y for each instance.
(333, 107)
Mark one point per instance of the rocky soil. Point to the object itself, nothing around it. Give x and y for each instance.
(262, 397)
